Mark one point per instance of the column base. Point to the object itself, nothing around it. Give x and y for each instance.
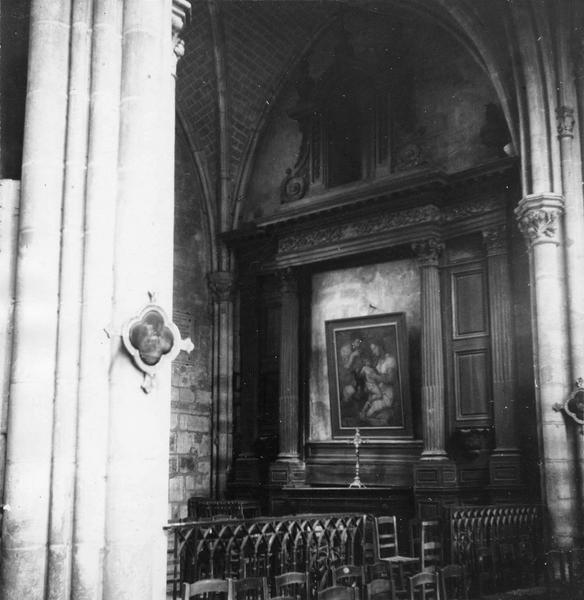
(435, 485)
(505, 476)
(287, 472)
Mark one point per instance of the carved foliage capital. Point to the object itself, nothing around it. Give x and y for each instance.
(539, 218)
(428, 252)
(222, 285)
(495, 240)
(566, 121)
(181, 15)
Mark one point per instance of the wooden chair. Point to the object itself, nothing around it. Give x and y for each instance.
(250, 588)
(337, 592)
(379, 570)
(349, 575)
(294, 584)
(208, 589)
(424, 586)
(380, 589)
(431, 545)
(387, 543)
(453, 583)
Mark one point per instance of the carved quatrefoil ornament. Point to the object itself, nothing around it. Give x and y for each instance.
(151, 338)
(573, 406)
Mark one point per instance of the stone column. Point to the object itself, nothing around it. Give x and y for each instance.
(288, 470)
(434, 475)
(504, 465)
(246, 465)
(25, 523)
(539, 217)
(221, 285)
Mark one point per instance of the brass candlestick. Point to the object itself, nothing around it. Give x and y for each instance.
(357, 441)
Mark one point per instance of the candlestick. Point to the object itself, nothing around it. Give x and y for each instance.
(357, 441)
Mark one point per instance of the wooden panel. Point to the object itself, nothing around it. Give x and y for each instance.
(470, 311)
(471, 377)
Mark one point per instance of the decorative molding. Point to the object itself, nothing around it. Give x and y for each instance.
(495, 240)
(222, 285)
(369, 225)
(470, 209)
(428, 252)
(383, 222)
(566, 121)
(538, 216)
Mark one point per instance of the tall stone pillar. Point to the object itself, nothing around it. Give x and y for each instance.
(434, 475)
(539, 217)
(25, 522)
(221, 284)
(288, 470)
(504, 465)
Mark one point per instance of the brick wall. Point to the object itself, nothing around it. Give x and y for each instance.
(190, 434)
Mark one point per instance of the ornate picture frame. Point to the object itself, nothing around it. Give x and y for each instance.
(369, 376)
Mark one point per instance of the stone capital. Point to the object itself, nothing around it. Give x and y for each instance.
(221, 285)
(428, 252)
(566, 121)
(539, 216)
(181, 16)
(495, 240)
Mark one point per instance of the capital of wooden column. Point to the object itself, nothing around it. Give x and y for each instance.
(539, 218)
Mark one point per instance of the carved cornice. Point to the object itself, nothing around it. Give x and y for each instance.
(382, 222)
(495, 240)
(539, 216)
(566, 121)
(362, 226)
(428, 252)
(222, 285)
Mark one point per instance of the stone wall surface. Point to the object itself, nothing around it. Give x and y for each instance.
(190, 429)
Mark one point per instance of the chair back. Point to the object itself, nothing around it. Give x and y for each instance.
(208, 589)
(250, 588)
(424, 586)
(453, 584)
(431, 545)
(294, 584)
(386, 543)
(380, 589)
(349, 575)
(379, 570)
(337, 592)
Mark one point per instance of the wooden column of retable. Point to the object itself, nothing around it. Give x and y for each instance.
(288, 470)
(504, 465)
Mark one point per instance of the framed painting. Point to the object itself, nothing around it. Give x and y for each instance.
(368, 376)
